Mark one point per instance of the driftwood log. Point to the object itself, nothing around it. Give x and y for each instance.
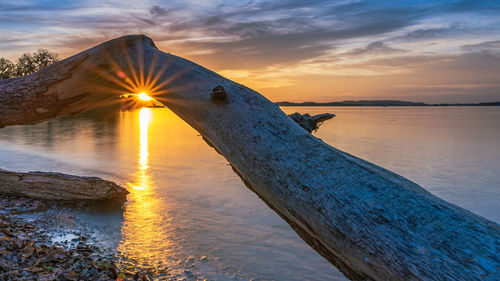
(57, 186)
(310, 123)
(371, 223)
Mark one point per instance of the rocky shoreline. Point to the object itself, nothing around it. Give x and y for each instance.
(27, 252)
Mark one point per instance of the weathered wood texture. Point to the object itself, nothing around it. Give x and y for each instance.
(371, 223)
(310, 123)
(56, 186)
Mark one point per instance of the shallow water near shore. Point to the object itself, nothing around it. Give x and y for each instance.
(189, 213)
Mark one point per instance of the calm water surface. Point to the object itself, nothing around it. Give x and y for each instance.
(189, 212)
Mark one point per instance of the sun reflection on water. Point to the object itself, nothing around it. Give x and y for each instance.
(144, 121)
(144, 234)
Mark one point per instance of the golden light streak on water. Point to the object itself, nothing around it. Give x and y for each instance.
(144, 234)
(144, 121)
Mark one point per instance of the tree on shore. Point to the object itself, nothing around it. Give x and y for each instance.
(26, 64)
(7, 68)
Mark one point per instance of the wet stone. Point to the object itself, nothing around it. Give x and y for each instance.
(27, 253)
(72, 276)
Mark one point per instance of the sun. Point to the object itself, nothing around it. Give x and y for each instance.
(143, 96)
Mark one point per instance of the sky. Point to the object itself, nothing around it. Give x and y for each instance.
(293, 50)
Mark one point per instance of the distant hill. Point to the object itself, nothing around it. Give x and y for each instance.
(381, 103)
(497, 103)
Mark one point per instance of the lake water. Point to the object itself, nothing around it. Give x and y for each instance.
(188, 211)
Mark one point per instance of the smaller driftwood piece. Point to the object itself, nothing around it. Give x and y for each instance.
(310, 123)
(57, 186)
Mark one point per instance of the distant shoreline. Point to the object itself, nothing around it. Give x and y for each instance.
(382, 103)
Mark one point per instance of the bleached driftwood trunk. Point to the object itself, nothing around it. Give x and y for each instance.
(57, 186)
(369, 222)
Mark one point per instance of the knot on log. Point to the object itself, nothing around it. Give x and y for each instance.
(218, 94)
(310, 123)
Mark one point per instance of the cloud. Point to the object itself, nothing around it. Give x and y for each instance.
(469, 6)
(276, 40)
(30, 6)
(430, 33)
(255, 34)
(493, 46)
(158, 11)
(374, 48)
(286, 40)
